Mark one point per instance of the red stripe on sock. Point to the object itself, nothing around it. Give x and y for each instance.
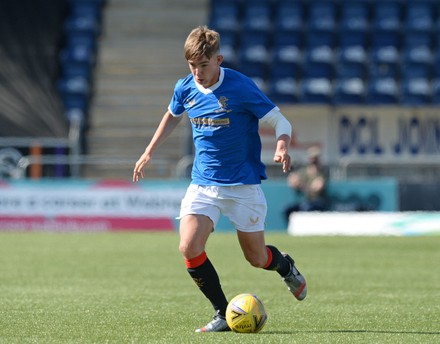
(196, 261)
(269, 258)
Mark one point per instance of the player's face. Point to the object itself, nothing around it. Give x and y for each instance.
(206, 71)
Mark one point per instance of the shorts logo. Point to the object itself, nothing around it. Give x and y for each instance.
(254, 220)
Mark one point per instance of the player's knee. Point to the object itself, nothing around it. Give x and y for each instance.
(256, 260)
(188, 251)
(184, 249)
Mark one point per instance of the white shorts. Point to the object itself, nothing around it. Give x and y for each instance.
(244, 205)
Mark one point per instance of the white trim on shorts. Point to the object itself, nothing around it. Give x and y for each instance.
(244, 205)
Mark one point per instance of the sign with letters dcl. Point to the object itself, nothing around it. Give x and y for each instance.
(391, 135)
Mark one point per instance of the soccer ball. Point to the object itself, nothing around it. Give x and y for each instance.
(245, 313)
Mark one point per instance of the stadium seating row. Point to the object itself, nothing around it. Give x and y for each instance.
(356, 52)
(389, 15)
(82, 28)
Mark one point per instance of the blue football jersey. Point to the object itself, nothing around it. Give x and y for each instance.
(224, 120)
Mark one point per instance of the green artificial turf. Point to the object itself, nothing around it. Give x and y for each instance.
(134, 288)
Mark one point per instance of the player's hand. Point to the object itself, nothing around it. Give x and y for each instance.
(138, 171)
(284, 159)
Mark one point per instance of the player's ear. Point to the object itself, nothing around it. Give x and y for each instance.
(219, 59)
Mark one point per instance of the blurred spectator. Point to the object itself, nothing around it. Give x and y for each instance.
(309, 183)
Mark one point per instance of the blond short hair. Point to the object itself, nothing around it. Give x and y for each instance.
(202, 41)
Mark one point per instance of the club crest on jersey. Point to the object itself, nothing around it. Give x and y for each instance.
(223, 103)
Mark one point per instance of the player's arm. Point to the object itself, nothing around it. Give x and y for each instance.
(283, 133)
(165, 128)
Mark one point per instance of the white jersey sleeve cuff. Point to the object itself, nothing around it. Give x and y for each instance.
(276, 119)
(175, 114)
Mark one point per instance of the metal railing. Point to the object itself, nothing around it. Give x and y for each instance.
(11, 156)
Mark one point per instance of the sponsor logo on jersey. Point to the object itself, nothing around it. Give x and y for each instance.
(212, 122)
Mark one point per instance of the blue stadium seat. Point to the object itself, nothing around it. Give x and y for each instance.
(416, 92)
(253, 60)
(284, 90)
(75, 85)
(383, 39)
(289, 54)
(257, 16)
(419, 16)
(436, 37)
(353, 54)
(422, 53)
(77, 23)
(225, 15)
(229, 48)
(386, 54)
(71, 69)
(387, 15)
(289, 16)
(319, 63)
(229, 56)
(87, 8)
(86, 39)
(319, 38)
(253, 69)
(316, 91)
(284, 68)
(436, 63)
(254, 54)
(383, 91)
(249, 38)
(354, 16)
(349, 91)
(286, 47)
(383, 70)
(417, 62)
(322, 15)
(413, 39)
(78, 53)
(416, 70)
(286, 62)
(349, 38)
(75, 101)
(229, 38)
(286, 54)
(437, 22)
(349, 70)
(286, 38)
(384, 63)
(436, 91)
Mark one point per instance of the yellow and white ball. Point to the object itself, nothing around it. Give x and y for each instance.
(246, 314)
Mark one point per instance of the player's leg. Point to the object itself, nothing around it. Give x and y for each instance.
(198, 216)
(260, 255)
(268, 257)
(194, 233)
(247, 212)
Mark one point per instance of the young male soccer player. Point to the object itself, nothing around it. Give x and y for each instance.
(225, 109)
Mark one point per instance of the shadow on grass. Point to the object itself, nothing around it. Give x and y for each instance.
(354, 331)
